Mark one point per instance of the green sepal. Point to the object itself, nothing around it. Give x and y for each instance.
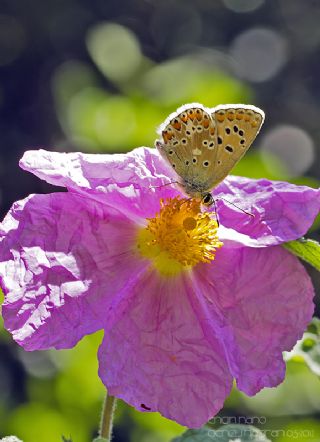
(306, 249)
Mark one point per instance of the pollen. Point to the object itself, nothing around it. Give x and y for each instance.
(179, 236)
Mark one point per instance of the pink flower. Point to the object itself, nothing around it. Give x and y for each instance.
(179, 325)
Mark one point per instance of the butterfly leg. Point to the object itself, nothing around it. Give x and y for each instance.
(163, 185)
(234, 205)
(216, 211)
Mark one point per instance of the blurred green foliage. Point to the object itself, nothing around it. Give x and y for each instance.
(307, 349)
(115, 103)
(144, 92)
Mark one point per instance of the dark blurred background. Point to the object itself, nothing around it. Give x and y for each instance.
(100, 76)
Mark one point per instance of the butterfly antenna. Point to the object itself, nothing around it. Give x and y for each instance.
(163, 185)
(234, 205)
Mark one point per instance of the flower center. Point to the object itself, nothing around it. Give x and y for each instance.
(179, 236)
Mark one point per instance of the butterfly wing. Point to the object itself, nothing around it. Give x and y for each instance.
(203, 145)
(236, 128)
(186, 134)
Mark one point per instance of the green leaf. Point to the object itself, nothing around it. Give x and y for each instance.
(308, 348)
(227, 433)
(306, 249)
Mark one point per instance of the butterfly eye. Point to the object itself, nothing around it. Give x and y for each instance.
(207, 199)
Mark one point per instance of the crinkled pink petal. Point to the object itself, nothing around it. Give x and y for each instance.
(265, 297)
(67, 266)
(132, 182)
(282, 211)
(161, 357)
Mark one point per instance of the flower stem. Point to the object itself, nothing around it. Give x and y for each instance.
(109, 406)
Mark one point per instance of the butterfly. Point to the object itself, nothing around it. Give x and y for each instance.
(202, 145)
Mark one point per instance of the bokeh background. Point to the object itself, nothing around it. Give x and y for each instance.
(100, 76)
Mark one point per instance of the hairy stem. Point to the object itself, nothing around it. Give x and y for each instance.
(106, 422)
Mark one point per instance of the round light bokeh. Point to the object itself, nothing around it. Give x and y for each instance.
(243, 5)
(259, 54)
(37, 364)
(115, 50)
(292, 145)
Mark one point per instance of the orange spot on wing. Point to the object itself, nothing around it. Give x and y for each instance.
(221, 117)
(199, 114)
(205, 124)
(191, 114)
(230, 116)
(166, 136)
(176, 125)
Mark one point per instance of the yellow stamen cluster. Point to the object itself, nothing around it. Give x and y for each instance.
(179, 236)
